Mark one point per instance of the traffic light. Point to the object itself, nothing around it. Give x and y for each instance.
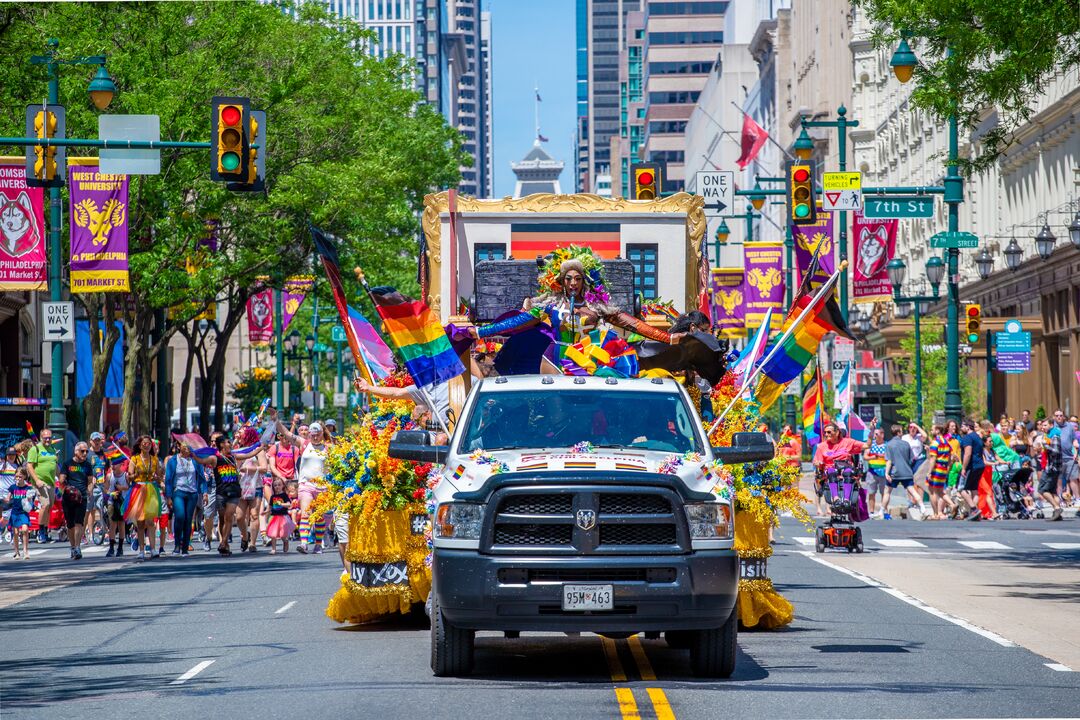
(46, 165)
(801, 202)
(255, 167)
(973, 322)
(646, 181)
(231, 131)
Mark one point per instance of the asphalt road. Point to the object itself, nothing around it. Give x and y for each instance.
(247, 637)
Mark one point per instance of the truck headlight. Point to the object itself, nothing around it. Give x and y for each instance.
(459, 521)
(710, 520)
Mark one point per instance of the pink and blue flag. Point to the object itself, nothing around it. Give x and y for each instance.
(754, 350)
(378, 356)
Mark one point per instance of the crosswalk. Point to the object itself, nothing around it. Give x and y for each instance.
(944, 544)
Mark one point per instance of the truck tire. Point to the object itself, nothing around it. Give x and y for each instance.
(712, 652)
(451, 647)
(679, 639)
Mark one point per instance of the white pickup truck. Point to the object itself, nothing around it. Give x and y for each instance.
(576, 504)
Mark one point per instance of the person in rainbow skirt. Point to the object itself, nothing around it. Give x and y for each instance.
(942, 456)
(143, 503)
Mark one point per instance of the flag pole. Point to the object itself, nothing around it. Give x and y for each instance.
(825, 288)
(770, 137)
(423, 391)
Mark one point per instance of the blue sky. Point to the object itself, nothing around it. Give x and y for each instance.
(533, 42)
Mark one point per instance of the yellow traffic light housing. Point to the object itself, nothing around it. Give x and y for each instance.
(973, 322)
(230, 154)
(46, 164)
(646, 178)
(802, 205)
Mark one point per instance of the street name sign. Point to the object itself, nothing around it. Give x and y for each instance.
(841, 181)
(1013, 348)
(341, 399)
(962, 240)
(337, 334)
(129, 127)
(58, 321)
(898, 207)
(718, 190)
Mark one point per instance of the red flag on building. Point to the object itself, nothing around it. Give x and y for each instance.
(753, 137)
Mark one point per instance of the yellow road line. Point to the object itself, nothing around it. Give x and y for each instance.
(627, 705)
(660, 704)
(642, 660)
(614, 664)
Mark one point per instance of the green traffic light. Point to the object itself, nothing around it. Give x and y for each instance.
(973, 338)
(802, 211)
(230, 161)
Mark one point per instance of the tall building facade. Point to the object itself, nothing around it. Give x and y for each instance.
(450, 41)
(626, 146)
(600, 39)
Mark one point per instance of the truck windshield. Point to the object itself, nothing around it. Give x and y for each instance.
(545, 419)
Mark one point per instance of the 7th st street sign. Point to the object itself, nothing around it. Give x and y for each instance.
(898, 207)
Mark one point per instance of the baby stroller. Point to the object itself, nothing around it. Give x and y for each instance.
(840, 486)
(1009, 492)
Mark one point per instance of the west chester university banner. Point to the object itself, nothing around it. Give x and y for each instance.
(99, 230)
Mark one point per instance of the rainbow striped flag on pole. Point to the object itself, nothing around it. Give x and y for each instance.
(814, 415)
(419, 337)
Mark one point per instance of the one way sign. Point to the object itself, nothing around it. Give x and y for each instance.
(58, 321)
(718, 190)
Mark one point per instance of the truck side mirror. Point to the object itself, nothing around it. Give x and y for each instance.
(416, 445)
(746, 447)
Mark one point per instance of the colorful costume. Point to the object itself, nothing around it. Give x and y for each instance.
(939, 474)
(875, 459)
(280, 525)
(143, 502)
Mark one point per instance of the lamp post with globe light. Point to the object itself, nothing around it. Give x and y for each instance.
(897, 270)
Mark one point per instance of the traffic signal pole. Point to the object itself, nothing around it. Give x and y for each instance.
(57, 416)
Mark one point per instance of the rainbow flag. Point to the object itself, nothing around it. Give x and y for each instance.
(376, 353)
(814, 415)
(419, 337)
(115, 455)
(30, 432)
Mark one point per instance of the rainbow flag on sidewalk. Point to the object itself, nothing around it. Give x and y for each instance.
(419, 337)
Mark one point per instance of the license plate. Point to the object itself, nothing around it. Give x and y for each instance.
(588, 597)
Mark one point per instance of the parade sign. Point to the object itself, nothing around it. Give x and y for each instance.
(763, 284)
(808, 238)
(875, 245)
(1013, 348)
(898, 207)
(99, 230)
(727, 302)
(22, 232)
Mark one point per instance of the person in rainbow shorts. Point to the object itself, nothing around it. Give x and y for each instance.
(875, 470)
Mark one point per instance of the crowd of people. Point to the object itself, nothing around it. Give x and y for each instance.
(957, 466)
(261, 481)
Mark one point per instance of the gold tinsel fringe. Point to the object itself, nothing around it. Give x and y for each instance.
(761, 607)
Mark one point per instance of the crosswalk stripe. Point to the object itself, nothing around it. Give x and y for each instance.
(983, 545)
(804, 540)
(1063, 546)
(898, 543)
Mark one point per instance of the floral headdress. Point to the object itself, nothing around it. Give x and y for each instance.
(594, 272)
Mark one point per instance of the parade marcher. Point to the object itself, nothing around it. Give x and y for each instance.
(116, 489)
(941, 458)
(75, 479)
(143, 503)
(279, 526)
(227, 486)
(310, 475)
(899, 472)
(95, 508)
(1050, 479)
(252, 471)
(22, 497)
(185, 483)
(875, 474)
(8, 466)
(971, 459)
(42, 463)
(832, 449)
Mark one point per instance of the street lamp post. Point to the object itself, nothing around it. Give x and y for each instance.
(896, 270)
(101, 92)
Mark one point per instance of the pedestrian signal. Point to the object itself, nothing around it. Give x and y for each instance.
(646, 181)
(973, 322)
(230, 154)
(46, 165)
(801, 202)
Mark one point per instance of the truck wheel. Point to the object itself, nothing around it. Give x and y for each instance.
(451, 647)
(712, 652)
(678, 639)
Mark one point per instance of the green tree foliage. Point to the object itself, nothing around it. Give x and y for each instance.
(977, 55)
(933, 374)
(348, 148)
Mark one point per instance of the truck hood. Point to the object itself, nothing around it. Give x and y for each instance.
(470, 472)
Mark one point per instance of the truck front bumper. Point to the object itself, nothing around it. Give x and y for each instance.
(661, 592)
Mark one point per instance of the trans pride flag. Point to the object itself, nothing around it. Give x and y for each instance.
(378, 356)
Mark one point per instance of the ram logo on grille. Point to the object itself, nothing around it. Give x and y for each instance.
(586, 519)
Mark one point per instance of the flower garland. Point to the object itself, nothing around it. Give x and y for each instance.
(483, 457)
(594, 272)
(766, 489)
(583, 448)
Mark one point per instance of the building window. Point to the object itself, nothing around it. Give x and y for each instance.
(488, 251)
(679, 67)
(674, 97)
(657, 127)
(643, 258)
(686, 8)
(704, 37)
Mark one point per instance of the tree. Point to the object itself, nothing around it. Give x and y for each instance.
(933, 373)
(348, 148)
(978, 56)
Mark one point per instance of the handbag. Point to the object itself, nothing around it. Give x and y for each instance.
(73, 495)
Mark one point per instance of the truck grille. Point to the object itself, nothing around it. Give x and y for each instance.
(576, 520)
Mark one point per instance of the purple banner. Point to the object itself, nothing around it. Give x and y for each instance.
(763, 288)
(296, 289)
(807, 238)
(22, 232)
(99, 230)
(726, 288)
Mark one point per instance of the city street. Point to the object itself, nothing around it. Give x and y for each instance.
(935, 620)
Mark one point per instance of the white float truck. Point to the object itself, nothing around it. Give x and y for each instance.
(535, 531)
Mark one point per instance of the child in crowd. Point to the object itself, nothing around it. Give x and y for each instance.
(22, 498)
(280, 526)
(116, 487)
